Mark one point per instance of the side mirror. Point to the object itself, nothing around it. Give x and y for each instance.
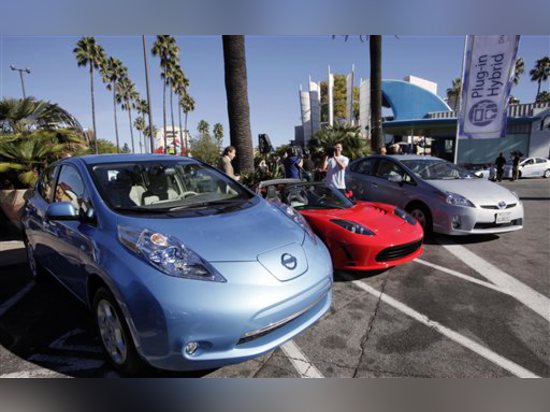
(395, 179)
(62, 211)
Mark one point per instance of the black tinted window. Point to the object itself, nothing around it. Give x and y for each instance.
(364, 167)
(45, 187)
(70, 187)
(387, 169)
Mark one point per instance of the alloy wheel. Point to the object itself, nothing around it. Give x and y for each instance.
(112, 334)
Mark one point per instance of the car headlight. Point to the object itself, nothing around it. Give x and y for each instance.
(167, 254)
(296, 217)
(404, 215)
(353, 227)
(457, 200)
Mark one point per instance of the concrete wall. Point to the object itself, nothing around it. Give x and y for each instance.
(539, 141)
(486, 150)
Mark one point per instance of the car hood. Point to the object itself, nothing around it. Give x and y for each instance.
(378, 217)
(239, 235)
(478, 191)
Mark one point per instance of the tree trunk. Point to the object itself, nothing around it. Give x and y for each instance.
(164, 116)
(538, 90)
(116, 122)
(179, 122)
(185, 135)
(172, 117)
(93, 107)
(237, 101)
(377, 137)
(131, 131)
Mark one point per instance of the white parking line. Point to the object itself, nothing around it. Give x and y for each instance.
(518, 290)
(34, 373)
(300, 362)
(462, 276)
(4, 307)
(451, 334)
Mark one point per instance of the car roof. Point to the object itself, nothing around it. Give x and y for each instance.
(126, 158)
(401, 157)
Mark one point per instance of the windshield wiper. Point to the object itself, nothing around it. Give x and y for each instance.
(213, 204)
(140, 210)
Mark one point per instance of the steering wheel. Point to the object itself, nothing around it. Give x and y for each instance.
(185, 195)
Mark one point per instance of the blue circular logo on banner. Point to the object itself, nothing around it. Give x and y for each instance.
(482, 113)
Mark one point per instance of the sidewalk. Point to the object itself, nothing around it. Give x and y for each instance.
(12, 249)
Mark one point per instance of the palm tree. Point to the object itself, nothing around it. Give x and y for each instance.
(218, 134)
(143, 109)
(377, 137)
(187, 104)
(88, 52)
(203, 128)
(166, 48)
(453, 93)
(180, 88)
(175, 80)
(139, 124)
(113, 71)
(236, 88)
(519, 69)
(541, 71)
(127, 96)
(349, 136)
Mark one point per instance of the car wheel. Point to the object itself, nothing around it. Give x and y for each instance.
(38, 272)
(114, 334)
(546, 173)
(423, 216)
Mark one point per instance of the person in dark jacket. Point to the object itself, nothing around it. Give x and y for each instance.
(500, 161)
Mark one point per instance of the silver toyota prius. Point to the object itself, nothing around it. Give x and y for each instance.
(442, 196)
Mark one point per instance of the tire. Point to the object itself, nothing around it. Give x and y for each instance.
(546, 174)
(114, 335)
(423, 216)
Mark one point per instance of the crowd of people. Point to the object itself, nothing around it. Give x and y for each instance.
(331, 168)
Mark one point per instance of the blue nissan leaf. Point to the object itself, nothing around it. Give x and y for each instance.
(182, 267)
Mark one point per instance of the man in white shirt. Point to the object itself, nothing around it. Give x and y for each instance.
(335, 165)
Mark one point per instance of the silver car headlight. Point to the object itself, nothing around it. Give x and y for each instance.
(296, 217)
(167, 254)
(353, 227)
(458, 200)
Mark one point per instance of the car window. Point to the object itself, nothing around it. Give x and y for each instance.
(45, 186)
(387, 169)
(528, 162)
(70, 187)
(364, 167)
(540, 160)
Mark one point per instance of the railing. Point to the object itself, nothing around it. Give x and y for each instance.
(514, 110)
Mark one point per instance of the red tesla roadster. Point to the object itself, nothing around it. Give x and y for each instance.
(360, 235)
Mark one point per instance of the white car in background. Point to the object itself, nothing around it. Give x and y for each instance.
(530, 167)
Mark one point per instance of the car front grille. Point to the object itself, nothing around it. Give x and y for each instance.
(492, 225)
(398, 252)
(494, 207)
(258, 333)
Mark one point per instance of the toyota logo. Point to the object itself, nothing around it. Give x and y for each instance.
(289, 261)
(501, 204)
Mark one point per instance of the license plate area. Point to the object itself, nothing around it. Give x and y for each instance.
(503, 217)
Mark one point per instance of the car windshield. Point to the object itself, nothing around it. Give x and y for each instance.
(166, 186)
(437, 169)
(302, 196)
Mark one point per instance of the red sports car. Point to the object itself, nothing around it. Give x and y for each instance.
(359, 235)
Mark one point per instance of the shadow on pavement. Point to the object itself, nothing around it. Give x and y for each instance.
(33, 329)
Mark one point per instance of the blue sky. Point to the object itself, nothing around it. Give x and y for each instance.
(276, 67)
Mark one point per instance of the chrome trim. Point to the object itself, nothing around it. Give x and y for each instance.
(262, 331)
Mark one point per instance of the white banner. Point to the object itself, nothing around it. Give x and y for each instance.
(364, 107)
(330, 98)
(486, 81)
(315, 102)
(306, 114)
(349, 94)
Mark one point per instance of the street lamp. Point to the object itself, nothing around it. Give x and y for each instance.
(26, 70)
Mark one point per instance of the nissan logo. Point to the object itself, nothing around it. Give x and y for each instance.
(289, 261)
(501, 204)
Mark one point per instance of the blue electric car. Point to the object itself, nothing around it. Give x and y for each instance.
(182, 267)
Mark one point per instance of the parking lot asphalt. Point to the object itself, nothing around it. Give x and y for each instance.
(475, 306)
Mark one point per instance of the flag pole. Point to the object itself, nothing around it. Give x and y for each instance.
(455, 156)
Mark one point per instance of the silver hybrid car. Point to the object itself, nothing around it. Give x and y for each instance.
(442, 196)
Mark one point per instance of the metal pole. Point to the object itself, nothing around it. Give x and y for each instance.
(22, 83)
(455, 157)
(149, 105)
